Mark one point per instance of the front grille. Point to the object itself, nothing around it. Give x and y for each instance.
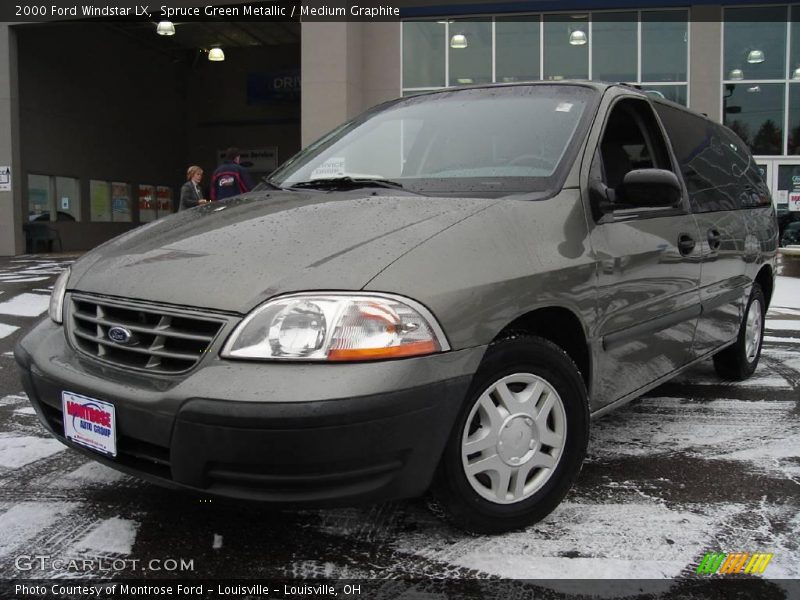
(163, 340)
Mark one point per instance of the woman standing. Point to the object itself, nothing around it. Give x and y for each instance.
(191, 194)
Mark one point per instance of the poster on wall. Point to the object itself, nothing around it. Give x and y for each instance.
(120, 202)
(164, 195)
(100, 200)
(5, 178)
(148, 205)
(794, 202)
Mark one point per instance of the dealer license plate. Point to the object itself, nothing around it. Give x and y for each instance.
(89, 422)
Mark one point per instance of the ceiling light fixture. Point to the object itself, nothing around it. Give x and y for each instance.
(459, 40)
(216, 55)
(796, 73)
(755, 89)
(755, 57)
(736, 75)
(577, 37)
(165, 28)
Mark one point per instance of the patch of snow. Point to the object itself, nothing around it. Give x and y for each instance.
(711, 428)
(28, 410)
(787, 292)
(704, 374)
(772, 456)
(782, 324)
(617, 541)
(21, 278)
(13, 399)
(25, 305)
(111, 536)
(91, 473)
(22, 522)
(6, 330)
(17, 452)
(781, 340)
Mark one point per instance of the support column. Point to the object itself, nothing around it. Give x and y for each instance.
(12, 240)
(705, 85)
(345, 69)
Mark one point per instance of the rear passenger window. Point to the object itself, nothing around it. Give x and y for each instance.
(719, 172)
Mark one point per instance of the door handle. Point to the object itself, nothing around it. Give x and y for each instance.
(714, 239)
(686, 244)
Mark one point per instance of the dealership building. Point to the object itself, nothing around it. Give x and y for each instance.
(99, 120)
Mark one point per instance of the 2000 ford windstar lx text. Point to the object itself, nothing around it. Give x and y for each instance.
(437, 294)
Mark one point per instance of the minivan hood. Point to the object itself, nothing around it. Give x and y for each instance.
(233, 255)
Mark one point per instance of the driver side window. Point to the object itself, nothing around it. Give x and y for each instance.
(631, 140)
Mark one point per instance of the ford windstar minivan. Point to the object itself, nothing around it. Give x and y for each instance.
(438, 294)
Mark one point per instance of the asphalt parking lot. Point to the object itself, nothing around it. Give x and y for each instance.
(698, 465)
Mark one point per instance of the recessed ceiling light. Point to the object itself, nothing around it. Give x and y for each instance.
(577, 37)
(216, 55)
(459, 40)
(165, 28)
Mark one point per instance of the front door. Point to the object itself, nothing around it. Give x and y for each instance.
(648, 261)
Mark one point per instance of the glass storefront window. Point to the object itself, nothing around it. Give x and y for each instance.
(40, 197)
(551, 47)
(423, 54)
(665, 43)
(755, 113)
(794, 119)
(614, 40)
(675, 93)
(68, 199)
(794, 54)
(566, 47)
(470, 52)
(517, 49)
(788, 185)
(755, 43)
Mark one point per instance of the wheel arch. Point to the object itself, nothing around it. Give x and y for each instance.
(560, 326)
(766, 279)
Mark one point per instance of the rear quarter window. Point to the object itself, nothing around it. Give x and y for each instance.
(718, 169)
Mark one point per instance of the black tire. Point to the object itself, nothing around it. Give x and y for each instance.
(543, 488)
(733, 363)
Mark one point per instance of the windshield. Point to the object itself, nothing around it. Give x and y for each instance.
(504, 139)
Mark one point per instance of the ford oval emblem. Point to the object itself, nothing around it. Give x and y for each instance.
(120, 335)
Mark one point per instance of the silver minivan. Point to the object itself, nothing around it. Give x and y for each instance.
(438, 294)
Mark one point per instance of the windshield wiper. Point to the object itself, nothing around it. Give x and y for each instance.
(269, 183)
(347, 181)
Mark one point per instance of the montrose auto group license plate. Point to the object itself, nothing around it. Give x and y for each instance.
(89, 422)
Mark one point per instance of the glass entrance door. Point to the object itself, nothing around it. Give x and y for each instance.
(784, 178)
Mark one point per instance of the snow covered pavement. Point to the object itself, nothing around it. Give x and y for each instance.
(695, 466)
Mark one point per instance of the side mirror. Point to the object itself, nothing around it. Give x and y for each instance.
(650, 188)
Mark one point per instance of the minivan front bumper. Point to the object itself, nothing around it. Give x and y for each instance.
(282, 433)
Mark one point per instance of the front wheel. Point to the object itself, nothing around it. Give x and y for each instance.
(739, 361)
(519, 440)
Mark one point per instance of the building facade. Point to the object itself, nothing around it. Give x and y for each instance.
(739, 63)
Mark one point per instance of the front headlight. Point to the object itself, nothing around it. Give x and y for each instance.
(57, 297)
(336, 327)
